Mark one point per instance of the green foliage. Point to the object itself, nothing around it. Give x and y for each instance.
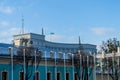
(110, 45)
(111, 64)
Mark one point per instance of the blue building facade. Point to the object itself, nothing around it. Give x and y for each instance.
(45, 60)
(48, 71)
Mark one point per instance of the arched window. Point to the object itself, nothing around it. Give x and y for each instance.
(37, 75)
(58, 76)
(76, 76)
(21, 75)
(4, 75)
(67, 76)
(49, 76)
(60, 55)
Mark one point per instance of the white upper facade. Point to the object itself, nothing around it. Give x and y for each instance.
(39, 41)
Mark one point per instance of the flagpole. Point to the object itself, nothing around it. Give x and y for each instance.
(11, 51)
(101, 70)
(64, 67)
(73, 64)
(113, 59)
(94, 67)
(80, 67)
(35, 64)
(55, 65)
(83, 67)
(24, 63)
(107, 68)
(45, 65)
(118, 69)
(88, 66)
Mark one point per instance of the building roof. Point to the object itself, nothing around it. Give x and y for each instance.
(5, 45)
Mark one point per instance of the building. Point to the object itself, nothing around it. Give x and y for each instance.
(39, 41)
(31, 57)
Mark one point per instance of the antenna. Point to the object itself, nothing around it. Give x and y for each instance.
(79, 40)
(42, 31)
(22, 24)
(80, 46)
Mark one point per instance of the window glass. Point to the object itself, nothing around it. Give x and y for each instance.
(48, 76)
(58, 76)
(21, 76)
(37, 76)
(4, 75)
(67, 76)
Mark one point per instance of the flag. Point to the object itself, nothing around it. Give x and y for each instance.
(52, 33)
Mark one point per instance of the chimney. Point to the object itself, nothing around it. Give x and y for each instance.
(118, 49)
(103, 54)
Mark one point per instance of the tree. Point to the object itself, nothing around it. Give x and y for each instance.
(83, 64)
(110, 45)
(111, 63)
(29, 53)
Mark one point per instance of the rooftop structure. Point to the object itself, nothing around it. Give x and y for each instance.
(39, 41)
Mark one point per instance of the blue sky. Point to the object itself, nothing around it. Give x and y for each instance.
(93, 20)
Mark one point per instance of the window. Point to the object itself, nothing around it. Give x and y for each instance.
(76, 76)
(48, 76)
(58, 76)
(37, 77)
(67, 76)
(4, 75)
(21, 76)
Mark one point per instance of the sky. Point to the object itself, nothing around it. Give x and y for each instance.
(93, 20)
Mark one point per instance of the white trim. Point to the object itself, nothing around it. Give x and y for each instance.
(5, 71)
